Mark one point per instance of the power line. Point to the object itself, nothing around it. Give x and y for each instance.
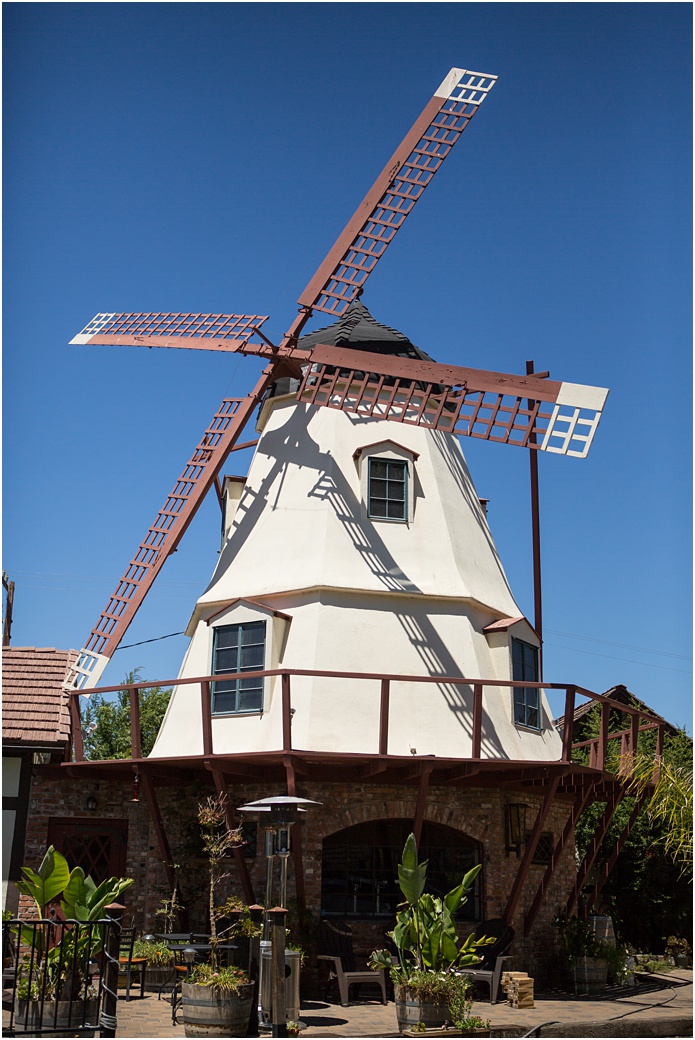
(609, 657)
(624, 646)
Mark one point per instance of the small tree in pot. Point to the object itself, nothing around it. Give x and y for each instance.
(217, 1000)
(429, 949)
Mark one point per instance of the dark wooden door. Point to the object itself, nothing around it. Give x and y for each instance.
(98, 846)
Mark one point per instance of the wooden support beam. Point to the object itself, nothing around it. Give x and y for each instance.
(239, 860)
(286, 713)
(163, 842)
(297, 836)
(206, 711)
(135, 746)
(421, 801)
(568, 730)
(568, 830)
(614, 799)
(477, 734)
(607, 867)
(384, 717)
(76, 720)
(530, 850)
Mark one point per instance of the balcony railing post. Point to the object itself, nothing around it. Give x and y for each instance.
(477, 734)
(135, 743)
(206, 709)
(568, 733)
(76, 718)
(286, 713)
(384, 717)
(603, 736)
(659, 752)
(634, 738)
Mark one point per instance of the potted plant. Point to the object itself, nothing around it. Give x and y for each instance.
(587, 963)
(679, 949)
(217, 1000)
(426, 983)
(160, 962)
(54, 987)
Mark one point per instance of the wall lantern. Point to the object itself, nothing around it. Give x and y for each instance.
(91, 803)
(136, 788)
(514, 827)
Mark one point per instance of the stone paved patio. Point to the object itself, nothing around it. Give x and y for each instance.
(660, 1006)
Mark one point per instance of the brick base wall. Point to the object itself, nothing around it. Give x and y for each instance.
(477, 812)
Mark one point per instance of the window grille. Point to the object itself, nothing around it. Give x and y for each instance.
(238, 648)
(526, 699)
(387, 492)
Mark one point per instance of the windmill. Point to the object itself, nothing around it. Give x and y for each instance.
(528, 411)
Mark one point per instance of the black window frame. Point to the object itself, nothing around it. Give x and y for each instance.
(239, 688)
(527, 699)
(390, 482)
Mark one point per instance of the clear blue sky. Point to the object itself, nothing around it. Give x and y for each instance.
(203, 157)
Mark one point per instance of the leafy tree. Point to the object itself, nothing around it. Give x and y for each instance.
(106, 723)
(649, 892)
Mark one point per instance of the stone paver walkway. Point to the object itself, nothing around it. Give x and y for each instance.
(660, 1006)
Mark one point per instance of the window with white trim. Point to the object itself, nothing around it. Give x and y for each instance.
(238, 648)
(387, 489)
(526, 699)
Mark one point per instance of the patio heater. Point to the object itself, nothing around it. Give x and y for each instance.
(277, 815)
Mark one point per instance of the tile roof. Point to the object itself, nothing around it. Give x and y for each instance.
(358, 330)
(34, 705)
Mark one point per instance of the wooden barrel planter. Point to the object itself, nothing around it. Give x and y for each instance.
(602, 927)
(208, 1011)
(589, 974)
(67, 1015)
(411, 1009)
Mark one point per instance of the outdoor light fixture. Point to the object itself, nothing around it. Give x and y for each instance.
(514, 827)
(136, 788)
(149, 938)
(91, 803)
(42, 758)
(276, 815)
(188, 955)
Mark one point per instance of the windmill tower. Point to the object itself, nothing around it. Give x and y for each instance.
(358, 628)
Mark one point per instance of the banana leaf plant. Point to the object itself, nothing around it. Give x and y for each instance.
(57, 969)
(425, 934)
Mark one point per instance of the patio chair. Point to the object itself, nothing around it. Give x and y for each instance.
(494, 956)
(335, 942)
(128, 964)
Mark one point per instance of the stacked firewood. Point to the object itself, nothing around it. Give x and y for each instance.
(519, 989)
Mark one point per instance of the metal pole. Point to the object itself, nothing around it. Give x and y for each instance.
(536, 537)
(279, 1013)
(109, 1001)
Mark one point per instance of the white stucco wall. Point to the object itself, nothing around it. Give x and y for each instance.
(363, 595)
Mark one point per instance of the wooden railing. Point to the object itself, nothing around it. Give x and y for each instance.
(640, 721)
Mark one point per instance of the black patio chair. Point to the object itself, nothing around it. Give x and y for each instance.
(335, 943)
(129, 965)
(494, 956)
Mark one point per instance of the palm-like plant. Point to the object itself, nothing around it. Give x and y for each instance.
(670, 790)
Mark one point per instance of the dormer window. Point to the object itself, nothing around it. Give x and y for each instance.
(238, 648)
(387, 480)
(526, 699)
(387, 493)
